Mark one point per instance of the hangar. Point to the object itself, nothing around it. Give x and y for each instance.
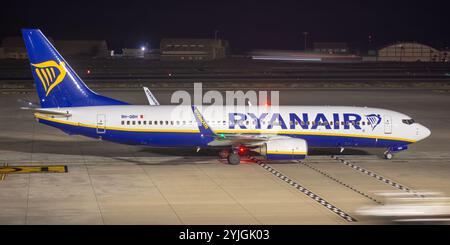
(408, 52)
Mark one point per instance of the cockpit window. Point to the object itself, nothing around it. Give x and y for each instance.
(408, 121)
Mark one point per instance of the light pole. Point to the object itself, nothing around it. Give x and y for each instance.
(305, 33)
(215, 34)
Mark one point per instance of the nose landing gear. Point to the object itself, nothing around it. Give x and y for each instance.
(393, 149)
(388, 155)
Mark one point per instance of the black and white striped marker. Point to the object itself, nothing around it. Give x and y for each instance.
(377, 176)
(340, 182)
(307, 192)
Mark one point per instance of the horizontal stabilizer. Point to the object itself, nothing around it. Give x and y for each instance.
(47, 112)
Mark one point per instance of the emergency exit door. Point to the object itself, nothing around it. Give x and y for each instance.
(387, 124)
(101, 124)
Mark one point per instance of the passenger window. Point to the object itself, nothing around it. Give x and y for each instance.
(156, 122)
(133, 122)
(150, 122)
(145, 122)
(167, 122)
(128, 122)
(184, 122)
(139, 122)
(123, 122)
(161, 123)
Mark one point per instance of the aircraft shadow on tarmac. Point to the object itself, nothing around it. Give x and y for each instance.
(130, 154)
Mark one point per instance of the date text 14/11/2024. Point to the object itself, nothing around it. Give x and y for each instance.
(235, 235)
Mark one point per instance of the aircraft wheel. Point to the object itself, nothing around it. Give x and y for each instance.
(234, 159)
(388, 155)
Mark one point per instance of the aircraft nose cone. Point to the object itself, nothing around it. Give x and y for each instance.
(424, 132)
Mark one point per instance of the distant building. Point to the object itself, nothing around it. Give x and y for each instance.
(133, 53)
(153, 54)
(82, 48)
(331, 47)
(193, 49)
(408, 52)
(444, 55)
(14, 48)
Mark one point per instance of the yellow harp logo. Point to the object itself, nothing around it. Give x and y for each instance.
(50, 73)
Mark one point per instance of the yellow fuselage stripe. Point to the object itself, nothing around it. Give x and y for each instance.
(237, 131)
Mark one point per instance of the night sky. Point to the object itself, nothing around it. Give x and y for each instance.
(247, 25)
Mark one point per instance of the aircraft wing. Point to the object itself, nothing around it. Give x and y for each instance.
(243, 139)
(230, 139)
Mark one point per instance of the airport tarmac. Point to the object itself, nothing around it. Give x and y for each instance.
(108, 183)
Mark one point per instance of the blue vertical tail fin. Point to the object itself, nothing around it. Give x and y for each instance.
(57, 83)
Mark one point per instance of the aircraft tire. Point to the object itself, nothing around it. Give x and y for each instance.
(388, 156)
(234, 159)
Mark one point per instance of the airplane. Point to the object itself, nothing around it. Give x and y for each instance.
(283, 133)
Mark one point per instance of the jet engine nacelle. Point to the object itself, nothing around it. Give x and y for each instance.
(284, 149)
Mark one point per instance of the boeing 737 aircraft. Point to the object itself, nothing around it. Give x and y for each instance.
(281, 133)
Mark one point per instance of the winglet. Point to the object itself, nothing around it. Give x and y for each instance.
(150, 97)
(204, 128)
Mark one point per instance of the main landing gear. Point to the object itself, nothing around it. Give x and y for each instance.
(234, 159)
(233, 156)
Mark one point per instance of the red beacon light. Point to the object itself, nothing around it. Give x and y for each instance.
(88, 71)
(242, 150)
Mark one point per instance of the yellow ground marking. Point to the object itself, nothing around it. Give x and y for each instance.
(33, 169)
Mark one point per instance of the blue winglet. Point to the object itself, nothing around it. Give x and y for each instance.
(204, 128)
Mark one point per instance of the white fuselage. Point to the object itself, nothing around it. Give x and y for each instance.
(321, 126)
